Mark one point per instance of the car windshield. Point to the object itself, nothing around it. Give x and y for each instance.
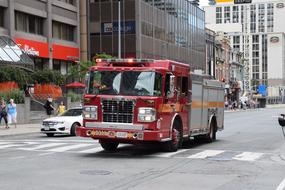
(132, 83)
(72, 112)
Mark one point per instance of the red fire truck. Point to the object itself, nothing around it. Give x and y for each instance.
(141, 100)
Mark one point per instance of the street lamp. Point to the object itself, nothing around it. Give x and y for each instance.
(119, 29)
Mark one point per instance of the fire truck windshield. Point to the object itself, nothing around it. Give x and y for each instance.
(130, 83)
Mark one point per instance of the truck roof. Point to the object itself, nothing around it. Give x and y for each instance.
(140, 64)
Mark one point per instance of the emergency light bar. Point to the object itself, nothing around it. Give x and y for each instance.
(124, 60)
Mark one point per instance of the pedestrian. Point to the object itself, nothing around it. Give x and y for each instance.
(12, 112)
(3, 113)
(61, 108)
(48, 106)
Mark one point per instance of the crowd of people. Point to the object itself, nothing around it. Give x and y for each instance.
(241, 104)
(8, 112)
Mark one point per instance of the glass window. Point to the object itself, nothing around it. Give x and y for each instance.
(218, 15)
(28, 23)
(1, 16)
(235, 14)
(132, 83)
(62, 31)
(72, 2)
(227, 14)
(184, 90)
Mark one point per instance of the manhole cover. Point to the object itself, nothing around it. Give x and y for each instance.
(95, 172)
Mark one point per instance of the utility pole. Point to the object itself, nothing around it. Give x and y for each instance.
(119, 29)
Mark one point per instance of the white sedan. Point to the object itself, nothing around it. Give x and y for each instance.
(65, 123)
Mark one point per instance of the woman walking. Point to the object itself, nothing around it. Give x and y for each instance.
(3, 112)
(12, 113)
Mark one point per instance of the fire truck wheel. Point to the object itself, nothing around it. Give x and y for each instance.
(211, 136)
(176, 142)
(108, 145)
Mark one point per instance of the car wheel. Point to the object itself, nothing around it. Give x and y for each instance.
(50, 134)
(73, 129)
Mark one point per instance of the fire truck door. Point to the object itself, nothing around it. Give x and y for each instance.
(196, 107)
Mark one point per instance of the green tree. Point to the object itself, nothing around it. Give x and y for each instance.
(48, 76)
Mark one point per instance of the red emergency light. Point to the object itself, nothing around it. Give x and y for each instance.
(125, 62)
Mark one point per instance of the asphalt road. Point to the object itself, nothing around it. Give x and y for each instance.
(248, 155)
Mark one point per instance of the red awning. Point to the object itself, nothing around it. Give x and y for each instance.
(75, 85)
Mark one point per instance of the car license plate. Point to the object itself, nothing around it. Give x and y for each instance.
(46, 128)
(122, 134)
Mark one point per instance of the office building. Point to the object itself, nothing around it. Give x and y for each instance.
(156, 29)
(47, 30)
(256, 28)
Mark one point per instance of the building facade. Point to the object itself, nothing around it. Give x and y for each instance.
(210, 52)
(255, 28)
(157, 29)
(47, 30)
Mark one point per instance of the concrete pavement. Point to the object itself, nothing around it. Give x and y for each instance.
(20, 130)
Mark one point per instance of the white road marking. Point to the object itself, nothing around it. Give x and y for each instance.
(47, 153)
(18, 157)
(167, 155)
(43, 146)
(248, 156)
(4, 143)
(10, 145)
(206, 153)
(70, 147)
(281, 186)
(92, 150)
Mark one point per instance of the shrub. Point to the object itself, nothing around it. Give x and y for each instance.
(48, 76)
(74, 97)
(15, 94)
(20, 76)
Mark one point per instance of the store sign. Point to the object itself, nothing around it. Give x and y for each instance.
(33, 48)
(65, 52)
(242, 1)
(274, 39)
(128, 27)
(280, 5)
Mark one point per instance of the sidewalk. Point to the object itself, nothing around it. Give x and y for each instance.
(20, 130)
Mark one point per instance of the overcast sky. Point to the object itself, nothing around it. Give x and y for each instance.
(203, 3)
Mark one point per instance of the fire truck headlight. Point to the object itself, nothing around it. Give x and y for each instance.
(90, 112)
(146, 115)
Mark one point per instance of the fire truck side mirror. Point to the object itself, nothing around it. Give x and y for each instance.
(171, 91)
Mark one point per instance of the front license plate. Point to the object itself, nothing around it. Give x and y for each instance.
(46, 128)
(122, 134)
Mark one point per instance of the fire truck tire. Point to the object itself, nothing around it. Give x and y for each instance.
(108, 145)
(211, 136)
(176, 142)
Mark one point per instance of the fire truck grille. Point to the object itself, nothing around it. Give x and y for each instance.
(117, 111)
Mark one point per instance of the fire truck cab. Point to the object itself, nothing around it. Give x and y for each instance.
(136, 101)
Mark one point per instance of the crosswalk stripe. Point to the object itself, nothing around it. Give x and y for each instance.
(10, 145)
(92, 150)
(49, 145)
(70, 147)
(248, 156)
(206, 153)
(167, 155)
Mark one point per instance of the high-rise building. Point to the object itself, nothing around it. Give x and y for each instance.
(256, 28)
(47, 30)
(157, 29)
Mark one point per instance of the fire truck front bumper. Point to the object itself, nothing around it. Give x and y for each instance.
(120, 134)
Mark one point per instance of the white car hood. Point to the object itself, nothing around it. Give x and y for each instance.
(65, 118)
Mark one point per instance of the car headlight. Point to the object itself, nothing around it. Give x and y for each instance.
(90, 112)
(146, 114)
